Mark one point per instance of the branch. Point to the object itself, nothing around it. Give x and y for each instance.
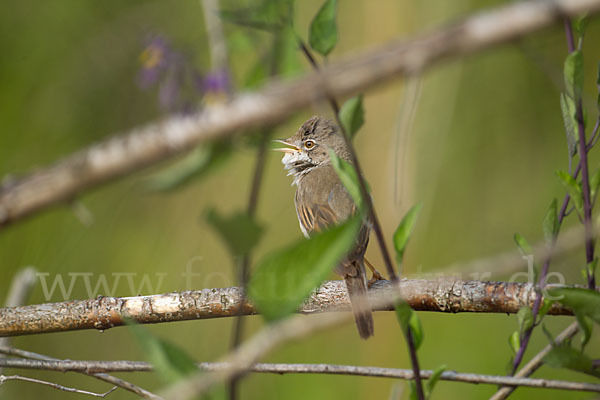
(158, 141)
(328, 369)
(278, 333)
(36, 357)
(4, 378)
(103, 313)
(216, 38)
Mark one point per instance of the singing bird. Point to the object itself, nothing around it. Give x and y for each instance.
(322, 200)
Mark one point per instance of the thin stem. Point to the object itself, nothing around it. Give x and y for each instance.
(5, 378)
(542, 280)
(20, 288)
(143, 393)
(327, 369)
(537, 361)
(414, 360)
(244, 266)
(594, 137)
(252, 204)
(582, 167)
(583, 149)
(361, 180)
(374, 219)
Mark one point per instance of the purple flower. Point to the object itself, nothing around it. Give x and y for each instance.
(180, 85)
(217, 82)
(154, 60)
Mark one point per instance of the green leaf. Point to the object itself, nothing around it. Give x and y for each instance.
(525, 319)
(416, 329)
(404, 230)
(435, 377)
(586, 326)
(171, 362)
(573, 71)
(590, 269)
(583, 302)
(550, 223)
(408, 319)
(286, 53)
(285, 278)
(573, 188)
(323, 29)
(347, 174)
(352, 115)
(568, 109)
(514, 341)
(268, 15)
(523, 245)
(580, 25)
(239, 231)
(565, 356)
(195, 165)
(546, 305)
(412, 390)
(548, 334)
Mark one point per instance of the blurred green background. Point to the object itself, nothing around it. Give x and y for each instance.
(481, 154)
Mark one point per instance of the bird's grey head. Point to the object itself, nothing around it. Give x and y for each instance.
(309, 147)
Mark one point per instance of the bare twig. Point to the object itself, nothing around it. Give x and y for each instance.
(329, 369)
(36, 357)
(155, 142)
(216, 38)
(106, 312)
(5, 378)
(20, 287)
(407, 112)
(536, 362)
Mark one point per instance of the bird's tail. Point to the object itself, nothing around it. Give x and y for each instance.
(357, 291)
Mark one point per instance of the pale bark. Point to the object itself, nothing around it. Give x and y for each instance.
(102, 313)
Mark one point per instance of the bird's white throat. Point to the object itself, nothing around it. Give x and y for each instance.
(298, 164)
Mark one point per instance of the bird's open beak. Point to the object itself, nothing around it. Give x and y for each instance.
(289, 149)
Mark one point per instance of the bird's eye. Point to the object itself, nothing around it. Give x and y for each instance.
(309, 144)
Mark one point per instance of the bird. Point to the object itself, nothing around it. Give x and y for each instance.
(322, 201)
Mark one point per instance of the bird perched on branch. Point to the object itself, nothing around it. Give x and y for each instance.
(322, 200)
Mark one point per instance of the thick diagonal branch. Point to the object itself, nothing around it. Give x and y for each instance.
(158, 141)
(102, 313)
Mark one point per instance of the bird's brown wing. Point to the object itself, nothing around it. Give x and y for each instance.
(316, 217)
